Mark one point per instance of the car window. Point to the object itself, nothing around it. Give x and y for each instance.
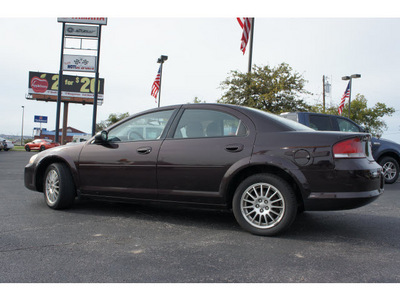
(144, 127)
(321, 123)
(199, 123)
(347, 126)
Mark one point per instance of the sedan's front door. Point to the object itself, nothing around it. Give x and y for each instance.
(125, 165)
(204, 147)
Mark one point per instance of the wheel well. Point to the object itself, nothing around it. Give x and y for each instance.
(389, 154)
(243, 174)
(41, 169)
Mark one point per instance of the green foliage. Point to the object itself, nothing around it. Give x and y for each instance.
(112, 118)
(369, 118)
(197, 100)
(276, 90)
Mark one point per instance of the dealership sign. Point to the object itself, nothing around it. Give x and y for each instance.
(84, 31)
(81, 63)
(95, 21)
(78, 89)
(40, 119)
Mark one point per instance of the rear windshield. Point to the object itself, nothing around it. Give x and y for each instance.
(289, 124)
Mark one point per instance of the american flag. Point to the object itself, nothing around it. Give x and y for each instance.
(156, 85)
(245, 23)
(345, 95)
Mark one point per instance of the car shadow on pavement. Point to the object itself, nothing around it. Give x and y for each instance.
(351, 225)
(177, 215)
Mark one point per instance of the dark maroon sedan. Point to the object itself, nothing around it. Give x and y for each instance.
(263, 167)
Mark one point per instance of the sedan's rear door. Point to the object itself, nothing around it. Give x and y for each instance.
(204, 146)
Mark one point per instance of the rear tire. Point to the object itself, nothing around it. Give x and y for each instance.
(390, 169)
(264, 204)
(58, 187)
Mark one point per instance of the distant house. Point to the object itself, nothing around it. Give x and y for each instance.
(45, 134)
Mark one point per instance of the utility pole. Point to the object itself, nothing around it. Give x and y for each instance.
(323, 93)
(22, 128)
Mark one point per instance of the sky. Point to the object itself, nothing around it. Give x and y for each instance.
(203, 46)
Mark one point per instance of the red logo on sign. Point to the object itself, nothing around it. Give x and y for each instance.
(39, 85)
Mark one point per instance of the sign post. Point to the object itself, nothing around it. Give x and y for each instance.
(40, 119)
(96, 82)
(60, 79)
(79, 63)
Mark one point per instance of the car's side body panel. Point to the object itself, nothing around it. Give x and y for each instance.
(207, 170)
(381, 148)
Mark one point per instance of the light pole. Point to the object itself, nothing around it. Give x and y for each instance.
(350, 78)
(161, 61)
(22, 128)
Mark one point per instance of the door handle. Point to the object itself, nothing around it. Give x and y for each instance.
(234, 148)
(143, 150)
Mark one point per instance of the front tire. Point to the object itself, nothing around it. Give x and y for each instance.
(264, 204)
(59, 189)
(390, 169)
(27, 149)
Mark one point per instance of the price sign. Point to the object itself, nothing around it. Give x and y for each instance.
(78, 89)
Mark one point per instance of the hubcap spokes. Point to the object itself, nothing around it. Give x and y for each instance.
(389, 170)
(262, 205)
(52, 186)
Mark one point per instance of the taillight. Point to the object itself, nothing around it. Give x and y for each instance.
(353, 148)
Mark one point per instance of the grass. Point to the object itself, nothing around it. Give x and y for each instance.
(18, 148)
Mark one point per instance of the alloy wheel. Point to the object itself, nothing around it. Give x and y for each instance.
(262, 205)
(52, 187)
(389, 170)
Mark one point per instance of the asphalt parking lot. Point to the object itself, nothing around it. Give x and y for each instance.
(104, 242)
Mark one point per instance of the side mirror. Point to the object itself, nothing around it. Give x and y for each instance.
(101, 137)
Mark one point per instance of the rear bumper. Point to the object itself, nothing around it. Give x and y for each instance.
(352, 183)
(340, 201)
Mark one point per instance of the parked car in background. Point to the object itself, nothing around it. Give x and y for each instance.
(6, 144)
(263, 167)
(385, 152)
(40, 144)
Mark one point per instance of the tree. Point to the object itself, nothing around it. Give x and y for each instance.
(112, 118)
(275, 90)
(197, 100)
(369, 118)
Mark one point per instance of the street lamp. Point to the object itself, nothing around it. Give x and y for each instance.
(161, 60)
(350, 78)
(22, 128)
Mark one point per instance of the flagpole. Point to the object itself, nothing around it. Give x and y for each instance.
(161, 61)
(349, 98)
(251, 45)
(159, 89)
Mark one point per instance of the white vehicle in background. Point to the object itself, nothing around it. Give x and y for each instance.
(6, 144)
